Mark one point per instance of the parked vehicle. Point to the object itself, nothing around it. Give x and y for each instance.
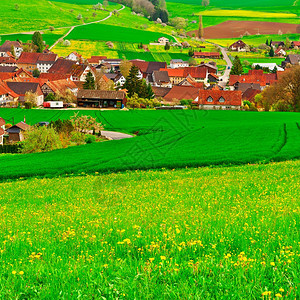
(53, 104)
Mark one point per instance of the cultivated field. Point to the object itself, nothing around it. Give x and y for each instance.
(235, 29)
(167, 139)
(221, 233)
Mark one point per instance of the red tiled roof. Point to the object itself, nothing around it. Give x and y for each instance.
(142, 65)
(207, 54)
(4, 89)
(253, 76)
(61, 85)
(2, 122)
(62, 66)
(174, 72)
(296, 43)
(96, 59)
(7, 60)
(28, 58)
(195, 72)
(230, 97)
(182, 92)
(54, 76)
(250, 94)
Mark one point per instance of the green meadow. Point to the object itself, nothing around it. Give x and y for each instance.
(39, 15)
(164, 139)
(207, 233)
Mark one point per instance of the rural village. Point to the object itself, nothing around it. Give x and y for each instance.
(43, 80)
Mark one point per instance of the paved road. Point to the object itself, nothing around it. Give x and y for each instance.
(225, 77)
(112, 135)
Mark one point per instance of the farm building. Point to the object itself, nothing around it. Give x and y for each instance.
(8, 61)
(74, 56)
(96, 60)
(219, 99)
(159, 79)
(59, 86)
(280, 52)
(238, 46)
(6, 94)
(212, 55)
(276, 44)
(100, 99)
(178, 63)
(117, 78)
(16, 132)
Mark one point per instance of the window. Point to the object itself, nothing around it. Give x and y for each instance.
(209, 99)
(221, 100)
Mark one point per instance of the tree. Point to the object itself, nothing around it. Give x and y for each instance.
(89, 81)
(66, 43)
(50, 97)
(62, 126)
(79, 17)
(133, 84)
(31, 97)
(237, 68)
(267, 42)
(287, 89)
(200, 29)
(167, 46)
(178, 22)
(105, 3)
(191, 52)
(41, 139)
(125, 67)
(205, 3)
(271, 52)
(51, 28)
(17, 7)
(287, 43)
(37, 40)
(12, 50)
(84, 124)
(36, 73)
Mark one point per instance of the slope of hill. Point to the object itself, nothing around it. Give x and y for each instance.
(221, 233)
(168, 139)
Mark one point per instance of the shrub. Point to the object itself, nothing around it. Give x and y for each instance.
(89, 139)
(78, 138)
(28, 105)
(41, 139)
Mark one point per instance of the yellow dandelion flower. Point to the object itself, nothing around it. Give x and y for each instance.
(278, 295)
(14, 272)
(281, 290)
(21, 273)
(163, 257)
(272, 264)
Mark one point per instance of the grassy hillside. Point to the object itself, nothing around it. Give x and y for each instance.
(222, 233)
(39, 15)
(168, 139)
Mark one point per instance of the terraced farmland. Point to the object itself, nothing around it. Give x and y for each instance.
(170, 139)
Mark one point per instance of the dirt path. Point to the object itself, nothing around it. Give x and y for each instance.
(94, 22)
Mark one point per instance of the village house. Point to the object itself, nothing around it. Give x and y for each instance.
(16, 132)
(210, 67)
(8, 69)
(46, 61)
(190, 81)
(163, 40)
(74, 56)
(295, 44)
(21, 88)
(9, 46)
(238, 46)
(291, 59)
(219, 99)
(146, 68)
(212, 55)
(250, 94)
(280, 52)
(178, 63)
(8, 61)
(118, 79)
(277, 44)
(2, 130)
(270, 66)
(59, 86)
(96, 60)
(253, 77)
(6, 94)
(178, 93)
(101, 99)
(159, 79)
(28, 61)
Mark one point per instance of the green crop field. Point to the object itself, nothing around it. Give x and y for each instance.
(103, 32)
(168, 139)
(221, 233)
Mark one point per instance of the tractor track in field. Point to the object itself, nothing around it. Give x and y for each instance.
(298, 125)
(283, 142)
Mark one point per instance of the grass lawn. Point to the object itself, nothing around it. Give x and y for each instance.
(208, 233)
(166, 139)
